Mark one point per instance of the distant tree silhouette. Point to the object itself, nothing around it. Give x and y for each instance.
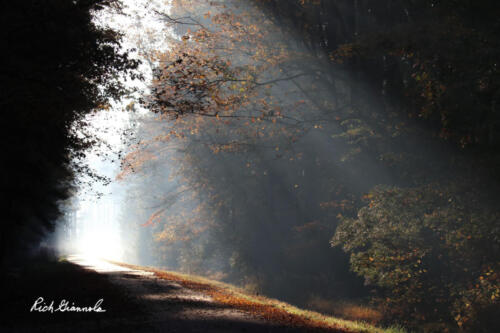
(57, 66)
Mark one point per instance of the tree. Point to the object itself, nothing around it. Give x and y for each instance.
(288, 112)
(435, 60)
(59, 67)
(432, 250)
(243, 145)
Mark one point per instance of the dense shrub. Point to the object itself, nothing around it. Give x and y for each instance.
(432, 251)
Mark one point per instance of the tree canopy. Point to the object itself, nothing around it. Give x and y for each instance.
(292, 116)
(58, 66)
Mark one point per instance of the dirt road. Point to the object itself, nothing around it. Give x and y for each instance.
(169, 307)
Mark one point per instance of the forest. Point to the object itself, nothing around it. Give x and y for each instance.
(339, 155)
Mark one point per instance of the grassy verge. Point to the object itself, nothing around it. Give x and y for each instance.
(270, 309)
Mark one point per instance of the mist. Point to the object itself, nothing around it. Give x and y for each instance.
(281, 153)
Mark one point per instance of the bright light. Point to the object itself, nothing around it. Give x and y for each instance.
(98, 233)
(92, 226)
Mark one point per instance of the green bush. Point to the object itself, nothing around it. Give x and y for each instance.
(432, 251)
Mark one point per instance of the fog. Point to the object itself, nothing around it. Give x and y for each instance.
(257, 149)
(253, 214)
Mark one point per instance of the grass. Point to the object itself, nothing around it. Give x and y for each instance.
(346, 309)
(270, 309)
